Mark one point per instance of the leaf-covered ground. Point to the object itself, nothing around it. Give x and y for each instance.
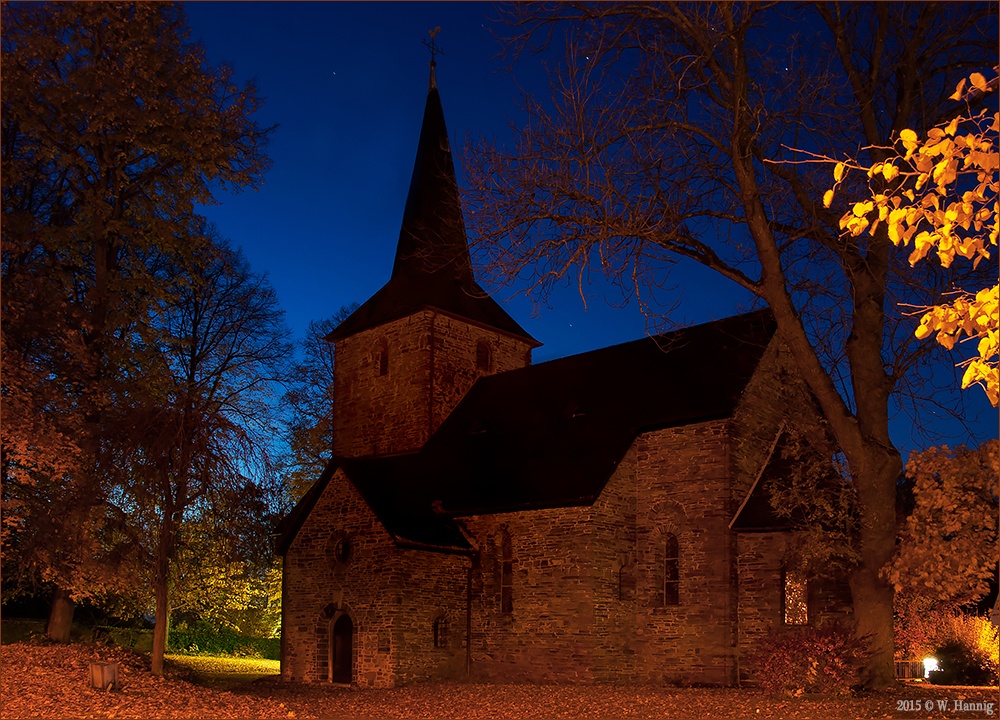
(48, 681)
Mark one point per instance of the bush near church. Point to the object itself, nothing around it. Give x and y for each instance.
(823, 659)
(968, 654)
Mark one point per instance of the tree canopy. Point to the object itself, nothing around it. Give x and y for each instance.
(114, 128)
(310, 402)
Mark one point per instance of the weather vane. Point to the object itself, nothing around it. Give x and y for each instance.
(432, 45)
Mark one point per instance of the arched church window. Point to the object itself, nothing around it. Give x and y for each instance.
(440, 630)
(506, 573)
(338, 549)
(382, 359)
(342, 550)
(484, 356)
(671, 570)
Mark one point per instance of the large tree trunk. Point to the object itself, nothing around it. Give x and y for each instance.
(60, 616)
(161, 580)
(871, 593)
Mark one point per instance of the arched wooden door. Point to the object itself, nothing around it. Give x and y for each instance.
(341, 650)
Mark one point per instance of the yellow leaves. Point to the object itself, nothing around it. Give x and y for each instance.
(915, 195)
(959, 90)
(909, 139)
(976, 317)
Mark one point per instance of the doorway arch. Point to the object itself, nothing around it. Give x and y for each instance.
(341, 661)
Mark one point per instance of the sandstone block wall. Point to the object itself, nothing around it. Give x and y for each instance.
(547, 636)
(430, 363)
(569, 623)
(378, 414)
(392, 595)
(682, 487)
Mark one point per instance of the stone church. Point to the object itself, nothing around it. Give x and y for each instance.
(598, 518)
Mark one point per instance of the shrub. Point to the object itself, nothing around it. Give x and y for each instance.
(823, 659)
(969, 652)
(201, 638)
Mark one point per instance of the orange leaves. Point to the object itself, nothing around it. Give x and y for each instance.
(947, 546)
(916, 195)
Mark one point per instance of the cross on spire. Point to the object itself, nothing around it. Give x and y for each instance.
(435, 51)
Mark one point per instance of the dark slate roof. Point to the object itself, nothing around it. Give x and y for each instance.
(757, 513)
(402, 508)
(432, 268)
(551, 435)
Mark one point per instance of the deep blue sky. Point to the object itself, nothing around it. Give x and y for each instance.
(346, 84)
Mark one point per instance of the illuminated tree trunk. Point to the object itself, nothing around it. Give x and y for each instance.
(161, 580)
(60, 616)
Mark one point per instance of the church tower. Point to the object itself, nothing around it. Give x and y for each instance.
(405, 358)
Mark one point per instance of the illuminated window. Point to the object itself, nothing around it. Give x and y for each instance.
(440, 629)
(671, 571)
(382, 359)
(484, 356)
(796, 599)
(506, 574)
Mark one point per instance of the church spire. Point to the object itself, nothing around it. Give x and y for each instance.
(432, 268)
(432, 238)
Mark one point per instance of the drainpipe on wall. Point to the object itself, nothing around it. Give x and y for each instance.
(468, 622)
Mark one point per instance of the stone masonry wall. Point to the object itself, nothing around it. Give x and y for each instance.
(587, 592)
(430, 365)
(379, 414)
(761, 593)
(547, 637)
(431, 586)
(453, 360)
(392, 595)
(613, 562)
(774, 396)
(569, 623)
(683, 486)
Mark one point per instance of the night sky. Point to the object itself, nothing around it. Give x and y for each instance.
(346, 85)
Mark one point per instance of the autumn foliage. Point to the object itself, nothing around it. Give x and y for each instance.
(940, 194)
(948, 544)
(825, 659)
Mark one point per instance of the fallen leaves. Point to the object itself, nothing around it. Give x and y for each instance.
(53, 681)
(40, 681)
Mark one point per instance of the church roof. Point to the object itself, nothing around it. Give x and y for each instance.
(552, 434)
(432, 268)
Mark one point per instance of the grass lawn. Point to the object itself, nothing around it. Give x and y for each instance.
(222, 672)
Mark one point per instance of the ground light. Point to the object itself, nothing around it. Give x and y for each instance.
(930, 665)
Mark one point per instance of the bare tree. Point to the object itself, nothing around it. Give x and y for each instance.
(203, 411)
(310, 403)
(669, 135)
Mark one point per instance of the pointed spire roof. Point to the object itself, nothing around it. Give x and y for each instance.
(432, 268)
(432, 238)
